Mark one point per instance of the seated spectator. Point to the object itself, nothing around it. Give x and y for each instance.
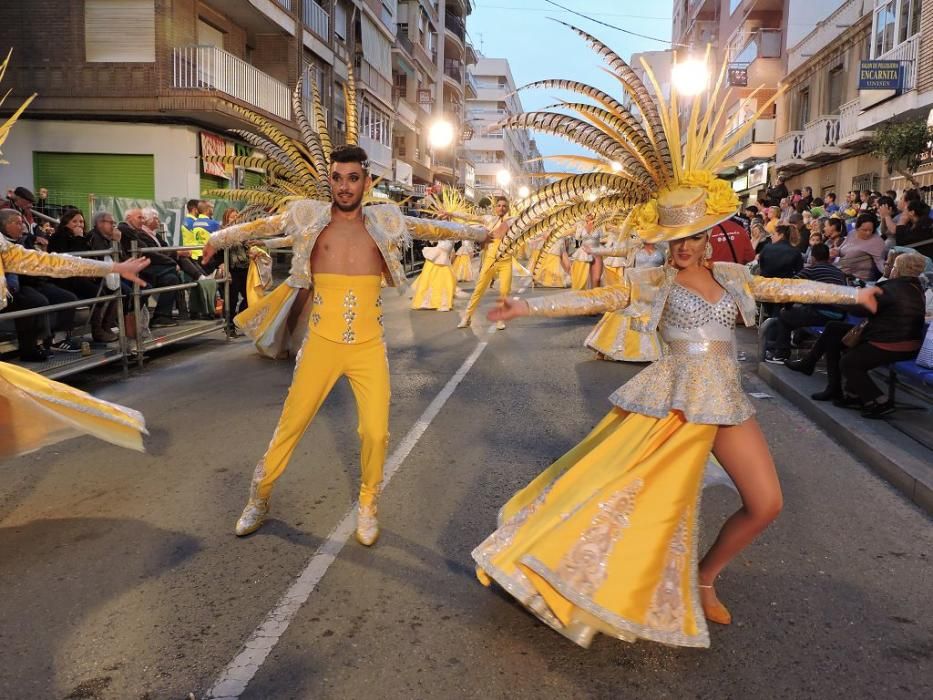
(851, 208)
(862, 254)
(830, 203)
(814, 240)
(916, 231)
(69, 237)
(817, 210)
(833, 235)
(863, 204)
(894, 333)
(163, 268)
(786, 209)
(887, 226)
(778, 191)
(759, 237)
(797, 316)
(780, 259)
(104, 319)
(30, 292)
(773, 218)
(807, 197)
(21, 200)
(751, 211)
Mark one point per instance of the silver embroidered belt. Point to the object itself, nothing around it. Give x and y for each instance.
(701, 347)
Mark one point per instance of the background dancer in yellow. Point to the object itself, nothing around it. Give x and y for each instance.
(341, 253)
(491, 268)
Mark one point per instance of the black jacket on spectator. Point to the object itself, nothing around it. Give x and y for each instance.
(98, 241)
(67, 243)
(915, 233)
(144, 240)
(776, 193)
(900, 312)
(780, 259)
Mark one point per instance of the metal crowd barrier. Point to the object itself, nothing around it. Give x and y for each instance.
(127, 349)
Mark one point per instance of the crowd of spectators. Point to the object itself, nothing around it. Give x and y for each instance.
(869, 238)
(21, 222)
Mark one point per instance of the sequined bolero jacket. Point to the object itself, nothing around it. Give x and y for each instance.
(303, 221)
(14, 259)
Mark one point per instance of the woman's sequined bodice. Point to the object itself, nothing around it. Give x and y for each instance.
(688, 316)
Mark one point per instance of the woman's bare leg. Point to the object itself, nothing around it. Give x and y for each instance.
(596, 271)
(744, 454)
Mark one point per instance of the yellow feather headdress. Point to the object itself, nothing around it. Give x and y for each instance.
(293, 168)
(642, 176)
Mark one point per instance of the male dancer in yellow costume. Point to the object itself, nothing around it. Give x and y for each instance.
(341, 252)
(491, 268)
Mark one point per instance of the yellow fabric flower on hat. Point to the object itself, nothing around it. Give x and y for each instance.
(720, 198)
(645, 216)
(698, 178)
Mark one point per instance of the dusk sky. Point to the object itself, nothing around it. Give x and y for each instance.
(537, 47)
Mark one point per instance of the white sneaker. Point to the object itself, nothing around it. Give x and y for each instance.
(367, 525)
(500, 326)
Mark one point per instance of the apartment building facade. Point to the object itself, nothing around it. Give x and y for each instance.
(506, 160)
(132, 92)
(825, 121)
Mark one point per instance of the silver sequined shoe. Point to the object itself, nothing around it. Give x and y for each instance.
(464, 322)
(254, 515)
(367, 526)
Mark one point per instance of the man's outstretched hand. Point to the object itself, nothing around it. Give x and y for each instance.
(130, 269)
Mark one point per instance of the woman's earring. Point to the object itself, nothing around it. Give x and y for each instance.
(708, 253)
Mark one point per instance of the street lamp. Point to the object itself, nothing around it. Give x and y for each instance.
(690, 77)
(523, 192)
(441, 134)
(503, 177)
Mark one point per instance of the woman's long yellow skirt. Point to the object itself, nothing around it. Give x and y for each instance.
(463, 268)
(434, 288)
(549, 272)
(579, 274)
(605, 539)
(612, 275)
(36, 411)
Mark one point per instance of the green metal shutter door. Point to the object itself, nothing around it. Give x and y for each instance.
(213, 182)
(252, 179)
(74, 176)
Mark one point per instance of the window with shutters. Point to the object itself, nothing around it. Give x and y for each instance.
(119, 31)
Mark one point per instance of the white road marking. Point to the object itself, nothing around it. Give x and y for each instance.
(236, 676)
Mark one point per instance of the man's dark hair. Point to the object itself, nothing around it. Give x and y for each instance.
(865, 218)
(891, 193)
(502, 198)
(752, 208)
(834, 223)
(831, 194)
(783, 230)
(191, 204)
(817, 201)
(911, 195)
(820, 252)
(350, 154)
(919, 208)
(886, 201)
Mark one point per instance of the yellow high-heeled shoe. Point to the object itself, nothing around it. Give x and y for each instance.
(717, 612)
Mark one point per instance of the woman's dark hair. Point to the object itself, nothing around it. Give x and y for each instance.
(867, 218)
(919, 208)
(817, 201)
(350, 154)
(66, 219)
(886, 201)
(784, 230)
(820, 252)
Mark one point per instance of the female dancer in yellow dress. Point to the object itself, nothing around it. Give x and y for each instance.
(463, 262)
(436, 286)
(605, 539)
(551, 265)
(585, 268)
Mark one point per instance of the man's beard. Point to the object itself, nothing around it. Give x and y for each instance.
(352, 206)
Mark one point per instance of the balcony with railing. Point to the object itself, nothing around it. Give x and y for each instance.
(456, 26)
(316, 19)
(790, 148)
(907, 53)
(403, 42)
(209, 68)
(849, 133)
(820, 138)
(454, 71)
(824, 34)
(373, 79)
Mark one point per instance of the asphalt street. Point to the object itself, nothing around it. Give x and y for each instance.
(121, 577)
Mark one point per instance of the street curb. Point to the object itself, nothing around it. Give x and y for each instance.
(907, 467)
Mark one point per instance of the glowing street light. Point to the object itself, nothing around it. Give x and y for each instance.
(441, 134)
(690, 77)
(523, 192)
(503, 177)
